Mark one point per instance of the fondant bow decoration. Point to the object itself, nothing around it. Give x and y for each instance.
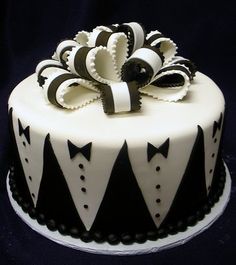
(118, 63)
(162, 149)
(25, 132)
(74, 150)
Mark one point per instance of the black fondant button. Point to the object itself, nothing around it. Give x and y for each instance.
(26, 160)
(24, 143)
(20, 200)
(162, 233)
(83, 189)
(157, 215)
(85, 206)
(82, 177)
(181, 226)
(172, 230)
(86, 237)
(25, 206)
(41, 219)
(33, 213)
(81, 166)
(126, 239)
(98, 237)
(74, 232)
(200, 215)
(152, 235)
(113, 239)
(158, 186)
(191, 220)
(158, 200)
(33, 195)
(51, 225)
(62, 229)
(140, 238)
(213, 155)
(158, 168)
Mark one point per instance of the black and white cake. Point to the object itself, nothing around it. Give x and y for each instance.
(111, 140)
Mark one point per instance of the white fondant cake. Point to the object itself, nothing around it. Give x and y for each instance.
(123, 177)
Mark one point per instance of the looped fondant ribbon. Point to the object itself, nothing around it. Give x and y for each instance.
(117, 63)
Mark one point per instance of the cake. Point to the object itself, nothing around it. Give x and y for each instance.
(116, 138)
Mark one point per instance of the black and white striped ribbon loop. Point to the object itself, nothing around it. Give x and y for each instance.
(142, 65)
(120, 97)
(94, 64)
(187, 63)
(116, 43)
(170, 84)
(135, 33)
(166, 45)
(66, 90)
(45, 68)
(63, 48)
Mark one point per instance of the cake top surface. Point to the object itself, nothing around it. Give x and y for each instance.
(161, 118)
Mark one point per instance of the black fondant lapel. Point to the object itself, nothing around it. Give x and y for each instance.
(20, 177)
(123, 208)
(54, 199)
(192, 190)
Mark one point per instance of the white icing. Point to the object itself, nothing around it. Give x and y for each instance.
(156, 122)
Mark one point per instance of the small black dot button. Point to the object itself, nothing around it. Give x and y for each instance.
(210, 171)
(158, 168)
(33, 195)
(158, 200)
(82, 177)
(81, 166)
(83, 189)
(215, 140)
(24, 143)
(158, 186)
(26, 160)
(213, 155)
(157, 215)
(30, 178)
(85, 206)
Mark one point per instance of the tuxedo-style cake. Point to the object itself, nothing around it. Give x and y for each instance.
(116, 138)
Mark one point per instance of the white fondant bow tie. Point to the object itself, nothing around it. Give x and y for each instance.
(117, 63)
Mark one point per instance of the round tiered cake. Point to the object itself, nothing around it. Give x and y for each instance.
(116, 138)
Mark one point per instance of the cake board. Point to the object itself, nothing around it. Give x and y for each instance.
(136, 248)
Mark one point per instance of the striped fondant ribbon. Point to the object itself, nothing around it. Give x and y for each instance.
(117, 63)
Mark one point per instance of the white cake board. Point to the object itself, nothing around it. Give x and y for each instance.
(134, 249)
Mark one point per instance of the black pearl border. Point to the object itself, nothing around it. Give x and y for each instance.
(124, 238)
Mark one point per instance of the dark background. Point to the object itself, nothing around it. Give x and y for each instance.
(205, 32)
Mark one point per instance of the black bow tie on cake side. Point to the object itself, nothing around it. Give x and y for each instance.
(117, 63)
(163, 149)
(217, 125)
(25, 132)
(74, 150)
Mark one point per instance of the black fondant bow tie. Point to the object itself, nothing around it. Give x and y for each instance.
(74, 150)
(25, 132)
(162, 149)
(217, 125)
